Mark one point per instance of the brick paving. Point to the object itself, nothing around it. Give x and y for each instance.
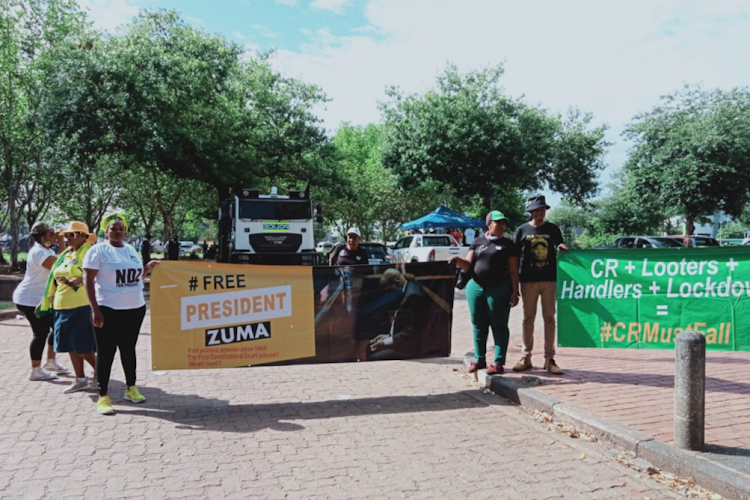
(634, 387)
(362, 430)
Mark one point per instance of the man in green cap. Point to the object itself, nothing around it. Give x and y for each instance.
(539, 241)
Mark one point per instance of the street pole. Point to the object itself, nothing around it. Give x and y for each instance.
(690, 391)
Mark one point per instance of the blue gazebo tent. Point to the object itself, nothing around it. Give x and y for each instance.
(442, 217)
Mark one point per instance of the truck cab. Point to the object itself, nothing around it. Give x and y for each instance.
(267, 229)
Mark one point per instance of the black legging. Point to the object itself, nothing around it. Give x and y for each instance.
(120, 331)
(42, 330)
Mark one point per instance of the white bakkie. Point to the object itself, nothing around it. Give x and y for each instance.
(427, 248)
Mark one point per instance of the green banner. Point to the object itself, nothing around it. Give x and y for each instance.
(642, 298)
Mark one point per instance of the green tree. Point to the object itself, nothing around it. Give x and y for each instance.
(30, 31)
(90, 191)
(171, 97)
(734, 230)
(570, 216)
(467, 134)
(370, 196)
(692, 152)
(138, 197)
(627, 210)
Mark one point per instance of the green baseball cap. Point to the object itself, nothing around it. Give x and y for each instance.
(496, 215)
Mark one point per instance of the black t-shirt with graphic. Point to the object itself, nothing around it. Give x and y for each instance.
(348, 257)
(490, 264)
(538, 247)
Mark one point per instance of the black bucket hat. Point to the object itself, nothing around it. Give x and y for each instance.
(537, 202)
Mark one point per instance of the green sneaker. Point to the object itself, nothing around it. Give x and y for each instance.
(104, 406)
(133, 395)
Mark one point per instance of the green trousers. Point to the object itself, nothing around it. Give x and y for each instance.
(490, 306)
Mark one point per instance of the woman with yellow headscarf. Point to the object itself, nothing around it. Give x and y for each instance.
(114, 274)
(66, 298)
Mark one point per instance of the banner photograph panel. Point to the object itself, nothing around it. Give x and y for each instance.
(221, 315)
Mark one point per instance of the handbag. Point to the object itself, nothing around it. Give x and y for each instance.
(464, 276)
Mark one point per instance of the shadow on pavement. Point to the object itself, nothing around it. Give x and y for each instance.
(725, 450)
(213, 414)
(451, 361)
(575, 376)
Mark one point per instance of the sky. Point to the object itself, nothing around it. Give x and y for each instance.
(612, 58)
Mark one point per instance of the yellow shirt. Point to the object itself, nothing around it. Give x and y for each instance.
(67, 297)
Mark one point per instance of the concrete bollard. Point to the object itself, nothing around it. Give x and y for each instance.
(689, 391)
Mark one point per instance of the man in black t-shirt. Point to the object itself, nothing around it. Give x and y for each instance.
(539, 242)
(351, 255)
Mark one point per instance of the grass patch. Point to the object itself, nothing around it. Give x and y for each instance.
(21, 256)
(6, 305)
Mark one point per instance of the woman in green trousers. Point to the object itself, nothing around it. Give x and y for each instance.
(492, 262)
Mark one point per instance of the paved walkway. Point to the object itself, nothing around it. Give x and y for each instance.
(361, 430)
(634, 387)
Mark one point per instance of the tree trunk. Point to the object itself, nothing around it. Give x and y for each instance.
(222, 192)
(168, 225)
(486, 203)
(689, 224)
(12, 212)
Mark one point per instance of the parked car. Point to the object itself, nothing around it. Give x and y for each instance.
(427, 248)
(646, 242)
(697, 241)
(157, 246)
(377, 253)
(324, 247)
(730, 242)
(188, 247)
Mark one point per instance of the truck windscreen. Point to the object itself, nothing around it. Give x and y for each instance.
(275, 210)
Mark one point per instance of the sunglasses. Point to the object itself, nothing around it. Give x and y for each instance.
(72, 235)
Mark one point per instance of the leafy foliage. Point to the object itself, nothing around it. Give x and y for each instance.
(734, 229)
(693, 152)
(170, 97)
(369, 195)
(467, 134)
(29, 32)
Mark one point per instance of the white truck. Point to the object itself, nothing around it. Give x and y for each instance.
(427, 248)
(268, 229)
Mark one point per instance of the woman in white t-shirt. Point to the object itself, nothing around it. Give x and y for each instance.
(29, 293)
(114, 273)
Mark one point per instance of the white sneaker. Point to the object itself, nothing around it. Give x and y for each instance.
(94, 384)
(53, 366)
(38, 373)
(76, 386)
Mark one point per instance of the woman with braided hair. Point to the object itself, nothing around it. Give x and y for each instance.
(114, 275)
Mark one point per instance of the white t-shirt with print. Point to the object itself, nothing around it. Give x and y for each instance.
(119, 280)
(30, 290)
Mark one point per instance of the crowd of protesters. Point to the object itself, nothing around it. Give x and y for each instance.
(87, 301)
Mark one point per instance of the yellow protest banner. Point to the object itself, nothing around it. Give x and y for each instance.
(208, 315)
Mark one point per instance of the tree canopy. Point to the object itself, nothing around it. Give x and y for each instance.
(692, 152)
(467, 134)
(166, 95)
